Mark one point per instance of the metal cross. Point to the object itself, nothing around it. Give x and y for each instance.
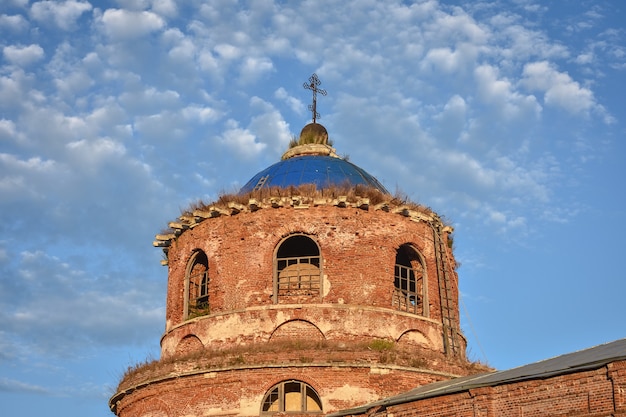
(313, 83)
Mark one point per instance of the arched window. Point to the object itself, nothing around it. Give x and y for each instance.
(297, 268)
(409, 282)
(197, 285)
(291, 397)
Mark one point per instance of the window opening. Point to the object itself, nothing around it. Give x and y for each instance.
(408, 281)
(198, 286)
(291, 397)
(298, 267)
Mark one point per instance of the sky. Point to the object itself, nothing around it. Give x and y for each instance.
(506, 117)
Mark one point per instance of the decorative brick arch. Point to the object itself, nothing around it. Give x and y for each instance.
(297, 330)
(418, 242)
(188, 344)
(414, 337)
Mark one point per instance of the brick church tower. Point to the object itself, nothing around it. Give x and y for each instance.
(310, 291)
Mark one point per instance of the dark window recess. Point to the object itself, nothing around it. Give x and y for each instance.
(408, 281)
(198, 286)
(298, 270)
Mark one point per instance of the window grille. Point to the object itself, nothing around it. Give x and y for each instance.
(408, 281)
(299, 276)
(297, 268)
(199, 293)
(197, 286)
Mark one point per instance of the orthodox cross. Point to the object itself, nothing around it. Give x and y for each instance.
(313, 83)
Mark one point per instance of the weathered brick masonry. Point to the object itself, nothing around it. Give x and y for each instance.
(592, 390)
(320, 298)
(223, 363)
(358, 250)
(301, 298)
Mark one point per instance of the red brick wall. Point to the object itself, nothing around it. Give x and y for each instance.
(593, 393)
(358, 248)
(241, 391)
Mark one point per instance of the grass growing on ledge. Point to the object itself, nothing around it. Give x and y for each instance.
(296, 352)
(380, 345)
(310, 191)
(307, 194)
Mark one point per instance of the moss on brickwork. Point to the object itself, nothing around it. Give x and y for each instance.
(376, 352)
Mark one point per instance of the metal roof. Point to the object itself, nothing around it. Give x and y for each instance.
(321, 170)
(583, 360)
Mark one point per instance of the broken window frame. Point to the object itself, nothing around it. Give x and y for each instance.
(410, 289)
(197, 286)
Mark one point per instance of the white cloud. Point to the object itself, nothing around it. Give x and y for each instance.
(10, 385)
(585, 59)
(504, 222)
(516, 43)
(12, 89)
(23, 55)
(74, 306)
(165, 7)
(277, 45)
(90, 157)
(208, 62)
(559, 88)
(294, 103)
(63, 13)
(26, 180)
(122, 24)
(8, 132)
(254, 68)
(500, 93)
(16, 23)
(469, 169)
(73, 83)
(201, 114)
(450, 61)
(183, 52)
(228, 51)
(452, 119)
(108, 115)
(269, 126)
(149, 100)
(455, 28)
(442, 58)
(241, 141)
(163, 127)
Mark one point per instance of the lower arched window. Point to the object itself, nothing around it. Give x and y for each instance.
(291, 397)
(409, 289)
(197, 285)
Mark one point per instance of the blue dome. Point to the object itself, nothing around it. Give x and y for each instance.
(321, 170)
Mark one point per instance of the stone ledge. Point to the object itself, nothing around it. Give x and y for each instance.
(233, 208)
(310, 149)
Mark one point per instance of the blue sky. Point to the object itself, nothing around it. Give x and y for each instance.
(506, 117)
